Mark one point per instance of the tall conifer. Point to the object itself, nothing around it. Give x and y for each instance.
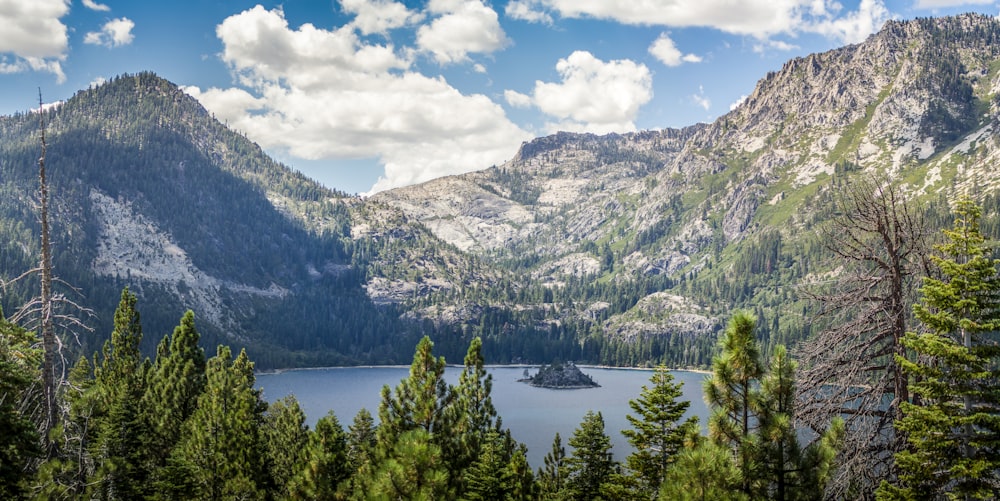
(953, 429)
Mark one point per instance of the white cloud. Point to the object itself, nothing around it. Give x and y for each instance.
(97, 82)
(479, 68)
(516, 99)
(525, 11)
(379, 16)
(593, 96)
(701, 100)
(938, 4)
(665, 50)
(33, 37)
(857, 25)
(92, 5)
(758, 18)
(114, 33)
(464, 27)
(326, 94)
(781, 45)
(738, 102)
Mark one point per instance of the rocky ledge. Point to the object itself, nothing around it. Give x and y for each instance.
(560, 376)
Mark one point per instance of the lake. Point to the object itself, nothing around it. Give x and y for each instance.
(533, 415)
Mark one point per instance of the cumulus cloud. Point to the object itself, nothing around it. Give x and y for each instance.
(33, 37)
(114, 33)
(758, 18)
(593, 96)
(92, 5)
(524, 10)
(939, 4)
(738, 102)
(379, 16)
(463, 27)
(326, 94)
(666, 51)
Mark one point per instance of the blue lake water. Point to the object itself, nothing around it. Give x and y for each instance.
(533, 415)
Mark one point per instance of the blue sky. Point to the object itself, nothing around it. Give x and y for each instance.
(366, 95)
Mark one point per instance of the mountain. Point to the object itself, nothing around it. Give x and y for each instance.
(150, 191)
(621, 249)
(710, 218)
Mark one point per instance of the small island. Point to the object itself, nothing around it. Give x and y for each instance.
(560, 376)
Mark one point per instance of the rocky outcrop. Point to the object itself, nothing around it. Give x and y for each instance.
(561, 377)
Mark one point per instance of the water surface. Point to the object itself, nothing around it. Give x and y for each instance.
(534, 415)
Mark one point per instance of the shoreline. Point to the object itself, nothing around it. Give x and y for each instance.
(488, 366)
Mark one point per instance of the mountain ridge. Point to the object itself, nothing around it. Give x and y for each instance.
(620, 249)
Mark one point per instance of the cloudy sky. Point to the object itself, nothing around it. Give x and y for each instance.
(366, 95)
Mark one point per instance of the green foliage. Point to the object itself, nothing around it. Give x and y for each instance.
(286, 438)
(953, 427)
(657, 432)
(176, 380)
(19, 442)
(413, 469)
(591, 464)
(703, 471)
(221, 442)
(733, 396)
(552, 476)
(326, 468)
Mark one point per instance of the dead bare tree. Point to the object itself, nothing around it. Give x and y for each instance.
(848, 369)
(42, 312)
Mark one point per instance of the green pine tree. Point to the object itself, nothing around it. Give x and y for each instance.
(286, 437)
(732, 394)
(787, 470)
(119, 448)
(489, 476)
(19, 441)
(657, 432)
(421, 401)
(953, 427)
(414, 469)
(703, 471)
(591, 463)
(174, 383)
(326, 468)
(221, 445)
(361, 440)
(552, 476)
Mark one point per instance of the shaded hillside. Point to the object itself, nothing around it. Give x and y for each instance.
(151, 192)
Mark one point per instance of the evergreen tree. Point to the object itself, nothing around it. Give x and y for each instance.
(658, 433)
(413, 469)
(420, 402)
(591, 463)
(176, 380)
(361, 440)
(732, 394)
(787, 471)
(490, 477)
(954, 427)
(286, 436)
(473, 415)
(552, 477)
(703, 471)
(19, 441)
(221, 445)
(119, 448)
(326, 465)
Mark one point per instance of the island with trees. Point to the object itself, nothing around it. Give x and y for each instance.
(562, 376)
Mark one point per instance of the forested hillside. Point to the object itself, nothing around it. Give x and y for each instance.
(623, 249)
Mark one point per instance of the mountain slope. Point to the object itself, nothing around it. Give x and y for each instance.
(151, 192)
(621, 249)
(720, 216)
